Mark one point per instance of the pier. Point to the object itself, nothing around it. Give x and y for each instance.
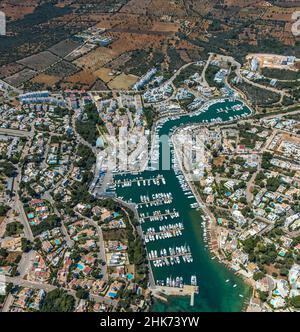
(186, 290)
(157, 201)
(192, 299)
(157, 180)
(158, 216)
(169, 256)
(166, 264)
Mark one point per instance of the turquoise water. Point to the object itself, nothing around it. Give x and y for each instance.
(216, 291)
(80, 267)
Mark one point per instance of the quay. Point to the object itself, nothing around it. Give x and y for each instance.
(186, 290)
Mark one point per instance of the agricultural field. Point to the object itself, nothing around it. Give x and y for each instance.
(39, 61)
(10, 69)
(104, 74)
(123, 82)
(166, 34)
(96, 59)
(18, 11)
(64, 47)
(20, 77)
(46, 80)
(82, 79)
(62, 69)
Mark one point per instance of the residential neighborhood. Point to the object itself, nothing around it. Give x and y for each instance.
(156, 181)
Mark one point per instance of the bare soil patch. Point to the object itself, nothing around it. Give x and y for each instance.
(96, 59)
(104, 74)
(85, 79)
(45, 79)
(123, 82)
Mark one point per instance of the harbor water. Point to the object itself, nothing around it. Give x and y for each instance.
(174, 227)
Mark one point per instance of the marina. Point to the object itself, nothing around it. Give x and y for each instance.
(157, 180)
(155, 199)
(181, 252)
(171, 256)
(158, 215)
(166, 231)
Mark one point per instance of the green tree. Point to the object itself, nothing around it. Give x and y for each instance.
(82, 294)
(295, 301)
(258, 275)
(58, 300)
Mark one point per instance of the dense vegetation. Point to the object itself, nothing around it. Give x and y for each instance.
(258, 96)
(3, 210)
(259, 251)
(87, 127)
(175, 60)
(220, 43)
(58, 300)
(87, 157)
(210, 74)
(295, 301)
(52, 222)
(14, 228)
(280, 74)
(82, 294)
(186, 73)
(32, 31)
(142, 61)
(150, 115)
(7, 169)
(247, 137)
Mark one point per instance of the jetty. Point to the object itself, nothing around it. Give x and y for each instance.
(160, 292)
(186, 290)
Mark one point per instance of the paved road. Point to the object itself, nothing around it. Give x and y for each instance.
(48, 288)
(26, 262)
(48, 197)
(18, 204)
(245, 79)
(44, 164)
(79, 138)
(15, 132)
(101, 255)
(10, 87)
(203, 79)
(8, 302)
(250, 184)
(25, 223)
